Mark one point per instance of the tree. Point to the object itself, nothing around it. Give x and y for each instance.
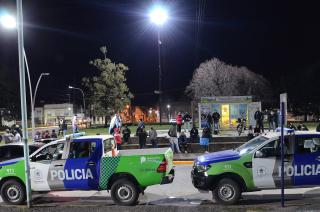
(215, 78)
(108, 90)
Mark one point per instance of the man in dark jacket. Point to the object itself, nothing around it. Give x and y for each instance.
(142, 134)
(126, 134)
(187, 119)
(194, 135)
(258, 116)
(216, 119)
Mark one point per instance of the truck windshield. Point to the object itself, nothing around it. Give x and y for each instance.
(251, 145)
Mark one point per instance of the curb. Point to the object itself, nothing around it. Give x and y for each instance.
(182, 162)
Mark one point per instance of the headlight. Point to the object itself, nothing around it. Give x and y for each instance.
(202, 168)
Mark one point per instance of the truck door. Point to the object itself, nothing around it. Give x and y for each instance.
(307, 160)
(46, 167)
(266, 164)
(83, 164)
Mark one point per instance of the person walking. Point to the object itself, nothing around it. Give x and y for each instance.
(179, 122)
(173, 138)
(183, 142)
(187, 121)
(153, 137)
(209, 121)
(142, 135)
(60, 132)
(117, 138)
(74, 124)
(126, 134)
(8, 137)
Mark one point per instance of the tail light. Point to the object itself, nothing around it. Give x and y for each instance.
(163, 166)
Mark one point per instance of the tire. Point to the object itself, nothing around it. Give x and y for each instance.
(124, 192)
(13, 192)
(227, 192)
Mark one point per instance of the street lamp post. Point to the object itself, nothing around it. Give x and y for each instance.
(10, 22)
(169, 114)
(33, 99)
(84, 102)
(159, 16)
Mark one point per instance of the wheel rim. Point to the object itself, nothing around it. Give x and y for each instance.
(124, 193)
(13, 193)
(226, 192)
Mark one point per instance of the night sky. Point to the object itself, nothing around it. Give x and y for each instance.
(278, 39)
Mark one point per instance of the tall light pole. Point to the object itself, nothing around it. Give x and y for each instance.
(159, 16)
(33, 100)
(9, 22)
(84, 102)
(169, 114)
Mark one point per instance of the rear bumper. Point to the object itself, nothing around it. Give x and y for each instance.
(168, 179)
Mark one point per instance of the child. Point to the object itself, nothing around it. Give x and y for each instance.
(117, 138)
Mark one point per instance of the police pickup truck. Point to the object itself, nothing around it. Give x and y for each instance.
(256, 165)
(88, 163)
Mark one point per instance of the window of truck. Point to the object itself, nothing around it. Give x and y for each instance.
(82, 149)
(306, 145)
(52, 152)
(107, 146)
(251, 145)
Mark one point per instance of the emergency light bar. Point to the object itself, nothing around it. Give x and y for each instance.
(75, 135)
(286, 130)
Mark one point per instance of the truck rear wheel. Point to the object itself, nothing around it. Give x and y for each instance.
(124, 192)
(227, 192)
(13, 192)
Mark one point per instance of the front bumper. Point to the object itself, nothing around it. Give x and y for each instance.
(168, 179)
(201, 180)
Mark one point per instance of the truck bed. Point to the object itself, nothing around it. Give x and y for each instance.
(153, 151)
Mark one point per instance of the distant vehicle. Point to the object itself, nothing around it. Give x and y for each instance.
(15, 150)
(255, 165)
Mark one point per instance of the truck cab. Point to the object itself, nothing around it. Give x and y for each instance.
(88, 163)
(256, 165)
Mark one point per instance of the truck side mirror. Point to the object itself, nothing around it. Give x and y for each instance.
(259, 154)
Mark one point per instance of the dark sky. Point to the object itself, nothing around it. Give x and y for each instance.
(278, 39)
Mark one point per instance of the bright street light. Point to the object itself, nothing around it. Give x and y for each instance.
(168, 106)
(8, 21)
(158, 16)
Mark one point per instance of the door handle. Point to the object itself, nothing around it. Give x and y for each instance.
(57, 165)
(318, 158)
(91, 163)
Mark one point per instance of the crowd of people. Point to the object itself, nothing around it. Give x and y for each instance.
(12, 135)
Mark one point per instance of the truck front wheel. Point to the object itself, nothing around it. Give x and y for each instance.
(227, 192)
(124, 192)
(13, 192)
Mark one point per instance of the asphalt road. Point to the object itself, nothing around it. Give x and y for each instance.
(181, 193)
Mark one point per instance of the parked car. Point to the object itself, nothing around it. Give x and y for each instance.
(255, 165)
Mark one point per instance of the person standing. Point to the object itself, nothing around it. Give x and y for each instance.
(187, 120)
(54, 134)
(142, 135)
(153, 137)
(258, 116)
(216, 118)
(173, 138)
(74, 124)
(194, 135)
(179, 122)
(126, 134)
(64, 128)
(183, 142)
(17, 136)
(271, 120)
(205, 139)
(117, 138)
(60, 132)
(209, 121)
(318, 128)
(141, 124)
